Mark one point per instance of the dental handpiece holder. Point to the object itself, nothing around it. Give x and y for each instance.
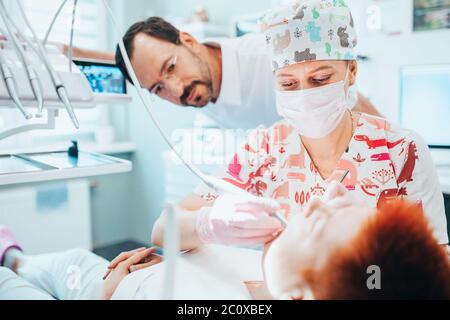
(76, 88)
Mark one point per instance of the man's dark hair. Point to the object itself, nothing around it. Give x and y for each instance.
(154, 27)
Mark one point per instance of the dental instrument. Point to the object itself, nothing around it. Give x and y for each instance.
(172, 247)
(11, 86)
(214, 183)
(344, 176)
(8, 77)
(31, 73)
(56, 80)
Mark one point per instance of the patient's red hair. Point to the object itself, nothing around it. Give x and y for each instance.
(398, 239)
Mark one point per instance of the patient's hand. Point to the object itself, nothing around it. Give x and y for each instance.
(338, 197)
(125, 263)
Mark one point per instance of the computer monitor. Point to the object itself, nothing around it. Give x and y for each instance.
(103, 77)
(425, 102)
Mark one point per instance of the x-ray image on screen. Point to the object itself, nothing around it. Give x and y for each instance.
(102, 77)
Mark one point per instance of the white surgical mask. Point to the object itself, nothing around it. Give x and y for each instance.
(314, 112)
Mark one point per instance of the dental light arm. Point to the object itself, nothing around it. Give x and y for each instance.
(216, 184)
(56, 80)
(31, 73)
(141, 95)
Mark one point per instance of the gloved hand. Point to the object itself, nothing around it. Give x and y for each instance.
(239, 221)
(337, 196)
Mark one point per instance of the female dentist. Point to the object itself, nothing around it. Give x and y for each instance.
(319, 142)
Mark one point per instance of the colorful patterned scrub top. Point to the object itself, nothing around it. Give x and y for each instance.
(383, 160)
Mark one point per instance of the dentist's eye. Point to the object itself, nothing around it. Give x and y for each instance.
(288, 85)
(320, 80)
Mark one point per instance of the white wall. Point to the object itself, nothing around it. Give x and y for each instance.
(380, 77)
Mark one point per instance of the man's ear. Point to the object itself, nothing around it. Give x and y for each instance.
(188, 40)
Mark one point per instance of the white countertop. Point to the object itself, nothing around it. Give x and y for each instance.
(110, 148)
(19, 171)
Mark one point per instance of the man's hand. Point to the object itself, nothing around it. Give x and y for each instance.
(124, 264)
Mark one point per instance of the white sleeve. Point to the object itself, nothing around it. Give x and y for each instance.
(424, 187)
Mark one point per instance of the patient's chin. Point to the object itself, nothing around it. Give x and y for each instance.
(280, 274)
(285, 286)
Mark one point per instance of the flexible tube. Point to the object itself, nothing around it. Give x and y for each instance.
(144, 98)
(72, 30)
(50, 28)
(219, 185)
(10, 85)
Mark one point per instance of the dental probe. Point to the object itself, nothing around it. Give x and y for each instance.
(344, 176)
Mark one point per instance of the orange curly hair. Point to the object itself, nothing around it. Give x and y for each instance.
(397, 239)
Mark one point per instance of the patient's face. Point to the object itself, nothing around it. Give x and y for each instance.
(306, 244)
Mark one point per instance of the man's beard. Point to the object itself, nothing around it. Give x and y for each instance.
(189, 88)
(206, 74)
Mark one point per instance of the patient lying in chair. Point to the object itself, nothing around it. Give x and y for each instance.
(358, 253)
(330, 252)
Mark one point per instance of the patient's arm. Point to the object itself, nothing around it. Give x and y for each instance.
(125, 263)
(186, 217)
(365, 106)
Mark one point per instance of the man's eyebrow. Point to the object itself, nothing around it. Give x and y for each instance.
(163, 67)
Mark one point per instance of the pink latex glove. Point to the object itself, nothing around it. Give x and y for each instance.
(239, 221)
(337, 196)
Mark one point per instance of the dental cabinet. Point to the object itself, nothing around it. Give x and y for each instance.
(46, 186)
(85, 89)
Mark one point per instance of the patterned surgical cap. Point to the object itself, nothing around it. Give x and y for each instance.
(309, 30)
